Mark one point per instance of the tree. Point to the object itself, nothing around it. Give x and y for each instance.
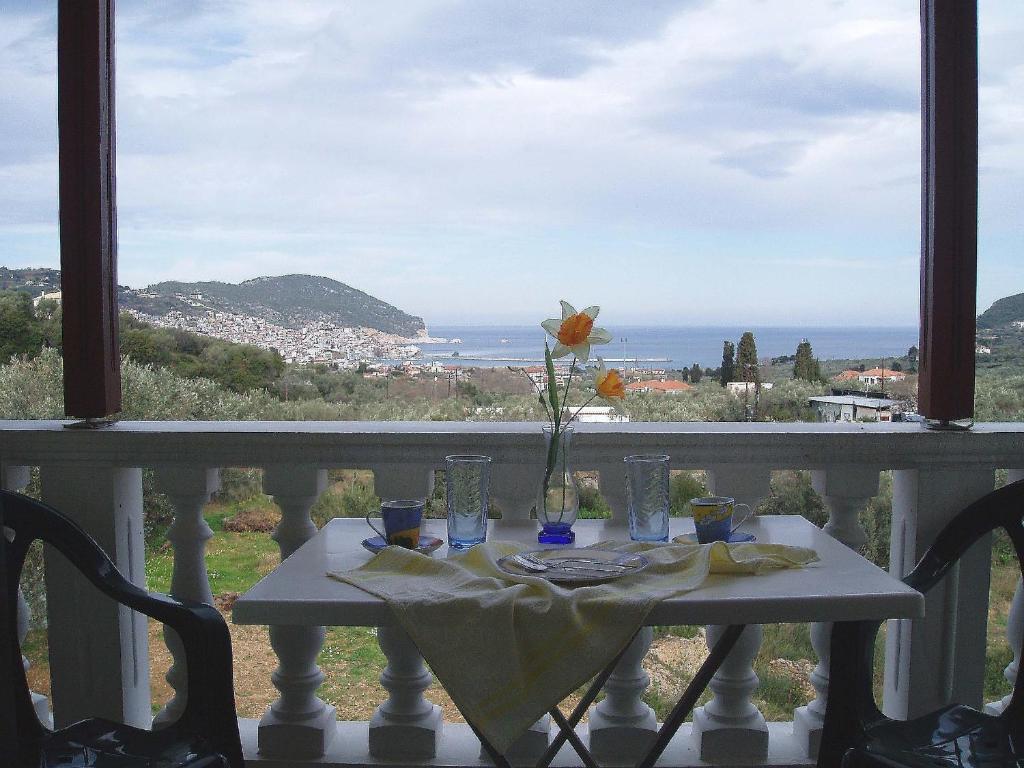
(20, 333)
(696, 373)
(805, 366)
(746, 358)
(897, 366)
(912, 354)
(728, 363)
(685, 373)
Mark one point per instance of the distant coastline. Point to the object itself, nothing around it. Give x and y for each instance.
(671, 346)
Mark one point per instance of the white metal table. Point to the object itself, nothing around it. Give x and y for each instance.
(843, 586)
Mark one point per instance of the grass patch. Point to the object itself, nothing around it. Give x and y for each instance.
(234, 561)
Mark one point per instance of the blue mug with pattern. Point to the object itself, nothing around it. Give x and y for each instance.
(712, 517)
(401, 518)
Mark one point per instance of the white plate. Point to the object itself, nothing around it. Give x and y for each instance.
(566, 572)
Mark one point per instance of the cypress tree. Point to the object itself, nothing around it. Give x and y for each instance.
(746, 358)
(806, 367)
(728, 363)
(696, 373)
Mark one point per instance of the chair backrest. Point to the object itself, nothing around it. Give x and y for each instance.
(209, 709)
(852, 708)
(1002, 508)
(23, 734)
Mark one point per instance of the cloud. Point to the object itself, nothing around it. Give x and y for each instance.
(555, 40)
(503, 147)
(766, 160)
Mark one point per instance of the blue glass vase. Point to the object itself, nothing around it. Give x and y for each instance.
(558, 500)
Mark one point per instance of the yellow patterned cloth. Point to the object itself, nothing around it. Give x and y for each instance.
(508, 648)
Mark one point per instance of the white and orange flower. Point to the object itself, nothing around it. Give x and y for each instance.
(575, 332)
(609, 385)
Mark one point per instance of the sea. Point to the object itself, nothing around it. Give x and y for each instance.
(667, 346)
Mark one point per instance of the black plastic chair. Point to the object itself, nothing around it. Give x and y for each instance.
(857, 735)
(206, 734)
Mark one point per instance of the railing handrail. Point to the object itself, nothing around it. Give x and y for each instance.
(778, 445)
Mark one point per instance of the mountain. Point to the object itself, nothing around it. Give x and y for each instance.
(289, 300)
(1003, 312)
(32, 280)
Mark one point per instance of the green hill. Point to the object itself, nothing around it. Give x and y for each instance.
(288, 300)
(1003, 312)
(32, 280)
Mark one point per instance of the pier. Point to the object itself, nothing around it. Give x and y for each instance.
(539, 360)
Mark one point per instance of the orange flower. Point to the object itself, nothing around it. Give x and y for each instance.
(609, 385)
(575, 332)
(575, 329)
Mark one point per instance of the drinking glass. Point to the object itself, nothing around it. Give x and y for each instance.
(467, 479)
(647, 499)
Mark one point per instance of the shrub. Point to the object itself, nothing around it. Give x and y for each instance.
(254, 519)
(351, 494)
(682, 487)
(792, 494)
(238, 484)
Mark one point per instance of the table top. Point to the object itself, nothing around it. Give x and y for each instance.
(843, 586)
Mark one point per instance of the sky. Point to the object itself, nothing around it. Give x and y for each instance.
(696, 162)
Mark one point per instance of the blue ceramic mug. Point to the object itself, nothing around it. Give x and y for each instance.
(402, 518)
(712, 517)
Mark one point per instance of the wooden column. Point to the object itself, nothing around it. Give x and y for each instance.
(88, 220)
(949, 207)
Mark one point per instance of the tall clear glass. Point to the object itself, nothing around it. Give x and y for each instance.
(647, 497)
(558, 500)
(467, 482)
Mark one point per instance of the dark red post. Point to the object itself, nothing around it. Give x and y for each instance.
(88, 219)
(949, 208)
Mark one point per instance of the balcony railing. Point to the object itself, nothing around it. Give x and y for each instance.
(99, 653)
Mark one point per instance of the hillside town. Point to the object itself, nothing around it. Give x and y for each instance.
(320, 342)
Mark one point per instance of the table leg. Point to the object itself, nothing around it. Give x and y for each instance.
(566, 732)
(566, 725)
(569, 730)
(499, 759)
(685, 705)
(693, 691)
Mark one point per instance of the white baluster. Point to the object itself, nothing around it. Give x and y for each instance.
(1014, 627)
(845, 490)
(188, 488)
(514, 491)
(15, 478)
(298, 724)
(730, 726)
(406, 726)
(612, 484)
(622, 725)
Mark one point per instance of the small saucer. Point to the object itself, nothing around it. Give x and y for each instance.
(736, 537)
(427, 544)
